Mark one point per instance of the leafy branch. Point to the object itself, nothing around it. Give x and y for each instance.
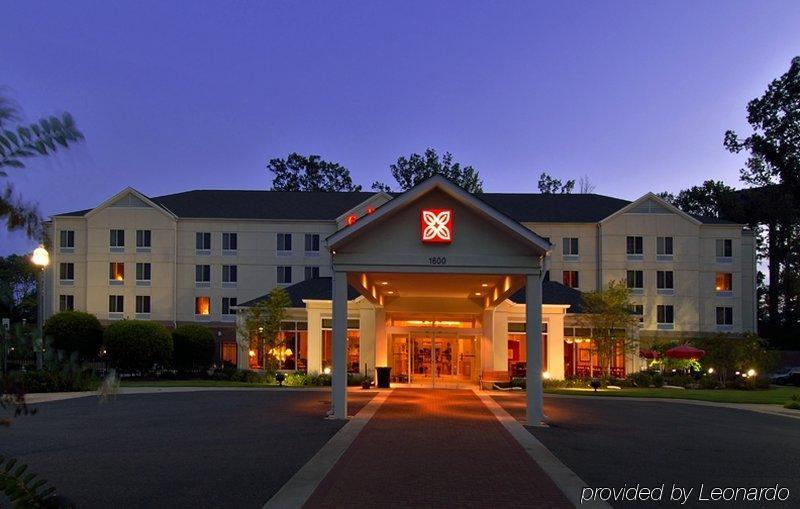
(24, 490)
(41, 138)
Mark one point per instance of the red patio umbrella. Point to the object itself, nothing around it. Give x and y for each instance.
(685, 352)
(648, 354)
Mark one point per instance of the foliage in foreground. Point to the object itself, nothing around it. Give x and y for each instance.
(26, 489)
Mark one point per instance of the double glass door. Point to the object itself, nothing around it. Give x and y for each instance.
(434, 356)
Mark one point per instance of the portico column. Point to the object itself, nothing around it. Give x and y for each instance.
(339, 372)
(533, 338)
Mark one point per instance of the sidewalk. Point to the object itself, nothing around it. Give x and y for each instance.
(429, 448)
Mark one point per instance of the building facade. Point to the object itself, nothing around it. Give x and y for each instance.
(449, 308)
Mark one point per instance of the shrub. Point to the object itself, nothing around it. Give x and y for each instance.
(193, 347)
(297, 380)
(794, 403)
(708, 382)
(137, 345)
(75, 331)
(641, 379)
(57, 381)
(679, 380)
(248, 376)
(658, 380)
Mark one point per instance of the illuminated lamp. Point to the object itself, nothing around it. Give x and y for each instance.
(351, 219)
(371, 210)
(485, 285)
(569, 341)
(751, 372)
(710, 371)
(546, 375)
(478, 294)
(251, 353)
(327, 370)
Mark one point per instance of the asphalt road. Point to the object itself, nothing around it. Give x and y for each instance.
(618, 443)
(193, 449)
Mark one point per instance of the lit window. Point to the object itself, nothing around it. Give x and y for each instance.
(116, 303)
(571, 278)
(284, 275)
(665, 313)
(67, 239)
(635, 245)
(203, 241)
(724, 282)
(143, 304)
(312, 272)
(664, 280)
(66, 271)
(202, 273)
(230, 242)
(142, 272)
(635, 279)
(229, 274)
(724, 316)
(228, 303)
(312, 242)
(724, 248)
(284, 242)
(66, 302)
(116, 271)
(664, 245)
(143, 238)
(570, 246)
(202, 306)
(117, 238)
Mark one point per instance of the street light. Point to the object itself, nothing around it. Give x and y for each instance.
(41, 258)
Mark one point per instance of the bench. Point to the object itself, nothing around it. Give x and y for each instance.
(489, 378)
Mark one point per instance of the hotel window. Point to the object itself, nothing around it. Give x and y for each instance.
(353, 344)
(66, 302)
(312, 243)
(230, 242)
(293, 346)
(664, 248)
(724, 315)
(228, 303)
(66, 271)
(142, 304)
(202, 241)
(143, 240)
(634, 246)
(202, 275)
(664, 280)
(116, 304)
(517, 348)
(724, 282)
(571, 278)
(117, 240)
(570, 248)
(230, 274)
(312, 272)
(665, 314)
(202, 306)
(284, 242)
(635, 279)
(724, 248)
(284, 275)
(67, 241)
(142, 272)
(116, 272)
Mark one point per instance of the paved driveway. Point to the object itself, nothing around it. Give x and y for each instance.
(193, 449)
(610, 443)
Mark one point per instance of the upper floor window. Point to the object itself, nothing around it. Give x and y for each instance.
(284, 275)
(724, 282)
(203, 241)
(312, 272)
(724, 248)
(570, 278)
(116, 304)
(67, 239)
(142, 272)
(664, 280)
(66, 302)
(664, 246)
(143, 304)
(230, 241)
(635, 279)
(665, 314)
(284, 242)
(202, 275)
(570, 247)
(228, 303)
(312, 242)
(143, 239)
(66, 271)
(116, 271)
(724, 315)
(634, 245)
(117, 239)
(230, 274)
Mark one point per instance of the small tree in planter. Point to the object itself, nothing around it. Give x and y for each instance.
(607, 311)
(262, 324)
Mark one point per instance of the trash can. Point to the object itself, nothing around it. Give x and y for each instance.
(383, 377)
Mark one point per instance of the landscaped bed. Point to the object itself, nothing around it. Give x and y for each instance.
(772, 396)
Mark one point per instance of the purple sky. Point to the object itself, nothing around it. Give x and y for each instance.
(184, 95)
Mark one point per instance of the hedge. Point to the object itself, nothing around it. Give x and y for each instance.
(137, 345)
(75, 331)
(194, 347)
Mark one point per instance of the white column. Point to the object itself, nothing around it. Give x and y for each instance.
(314, 340)
(339, 378)
(533, 338)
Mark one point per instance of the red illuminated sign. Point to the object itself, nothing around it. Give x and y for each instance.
(436, 226)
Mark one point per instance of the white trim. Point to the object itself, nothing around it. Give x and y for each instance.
(137, 194)
(660, 201)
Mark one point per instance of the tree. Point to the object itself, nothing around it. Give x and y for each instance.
(309, 173)
(410, 171)
(550, 185)
(193, 347)
(18, 288)
(607, 311)
(75, 331)
(585, 186)
(262, 324)
(703, 200)
(138, 345)
(21, 142)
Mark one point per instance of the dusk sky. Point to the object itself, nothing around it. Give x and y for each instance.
(173, 96)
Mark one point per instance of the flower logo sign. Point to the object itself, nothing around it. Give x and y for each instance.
(436, 226)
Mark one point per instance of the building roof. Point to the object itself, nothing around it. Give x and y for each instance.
(321, 289)
(327, 206)
(555, 293)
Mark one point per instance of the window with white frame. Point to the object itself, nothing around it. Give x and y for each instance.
(116, 304)
(202, 275)
(637, 310)
(202, 306)
(664, 280)
(724, 248)
(230, 274)
(284, 242)
(570, 278)
(230, 241)
(665, 314)
(724, 315)
(142, 272)
(142, 304)
(635, 279)
(570, 247)
(664, 246)
(634, 245)
(228, 303)
(116, 272)
(202, 241)
(66, 271)
(724, 282)
(143, 239)
(66, 239)
(116, 239)
(312, 272)
(312, 243)
(66, 302)
(284, 275)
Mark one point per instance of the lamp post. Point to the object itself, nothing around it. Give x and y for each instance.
(41, 258)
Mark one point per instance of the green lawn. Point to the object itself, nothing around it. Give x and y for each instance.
(773, 396)
(191, 383)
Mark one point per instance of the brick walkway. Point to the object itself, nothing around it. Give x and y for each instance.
(435, 448)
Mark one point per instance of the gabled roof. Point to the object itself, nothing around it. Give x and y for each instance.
(554, 293)
(438, 182)
(129, 191)
(554, 208)
(311, 289)
(658, 200)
